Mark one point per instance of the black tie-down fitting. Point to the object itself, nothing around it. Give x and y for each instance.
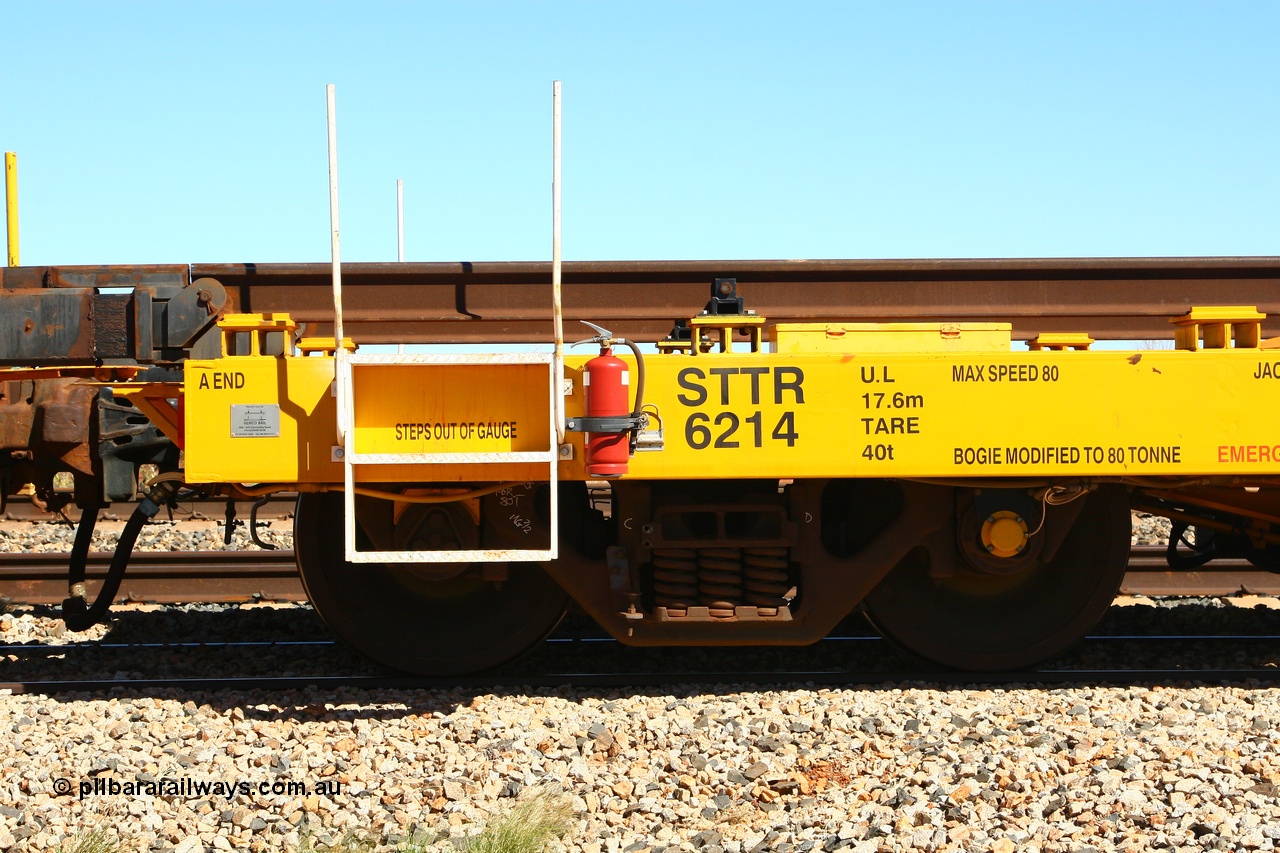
(229, 527)
(724, 302)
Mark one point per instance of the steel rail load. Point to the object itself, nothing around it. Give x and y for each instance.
(1112, 298)
(813, 438)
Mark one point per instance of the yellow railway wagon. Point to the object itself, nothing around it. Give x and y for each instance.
(972, 499)
(745, 480)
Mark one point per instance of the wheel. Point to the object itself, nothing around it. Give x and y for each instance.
(981, 618)
(428, 619)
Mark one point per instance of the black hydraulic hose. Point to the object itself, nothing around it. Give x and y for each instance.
(1182, 562)
(639, 377)
(79, 559)
(637, 414)
(253, 524)
(77, 613)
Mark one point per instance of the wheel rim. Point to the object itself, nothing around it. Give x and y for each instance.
(982, 621)
(410, 620)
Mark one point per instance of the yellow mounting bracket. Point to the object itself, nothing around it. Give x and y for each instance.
(324, 346)
(1218, 326)
(722, 326)
(257, 334)
(1059, 341)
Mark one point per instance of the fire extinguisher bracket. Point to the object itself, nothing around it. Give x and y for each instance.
(616, 424)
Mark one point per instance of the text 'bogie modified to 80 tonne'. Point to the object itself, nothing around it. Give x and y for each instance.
(870, 439)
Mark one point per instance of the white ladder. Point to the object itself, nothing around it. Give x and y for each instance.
(348, 366)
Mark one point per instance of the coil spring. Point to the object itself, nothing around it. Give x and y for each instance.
(720, 578)
(767, 578)
(675, 577)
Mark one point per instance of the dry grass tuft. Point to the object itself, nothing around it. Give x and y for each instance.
(528, 827)
(96, 841)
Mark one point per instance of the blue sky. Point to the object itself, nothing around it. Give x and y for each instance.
(195, 132)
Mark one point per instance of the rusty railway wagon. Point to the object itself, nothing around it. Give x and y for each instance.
(755, 450)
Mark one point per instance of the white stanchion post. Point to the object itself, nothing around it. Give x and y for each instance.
(558, 402)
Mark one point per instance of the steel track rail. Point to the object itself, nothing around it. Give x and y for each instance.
(62, 649)
(279, 506)
(1149, 574)
(487, 302)
(236, 576)
(732, 680)
(160, 576)
(630, 672)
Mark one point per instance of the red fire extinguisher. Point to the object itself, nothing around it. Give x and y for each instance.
(607, 382)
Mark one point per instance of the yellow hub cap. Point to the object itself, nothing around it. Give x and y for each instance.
(1004, 534)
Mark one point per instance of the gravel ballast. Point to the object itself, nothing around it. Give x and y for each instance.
(716, 768)
(1130, 768)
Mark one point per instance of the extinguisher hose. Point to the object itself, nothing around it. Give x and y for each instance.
(77, 613)
(639, 408)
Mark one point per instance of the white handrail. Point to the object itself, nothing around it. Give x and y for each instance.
(557, 402)
(336, 251)
(400, 220)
